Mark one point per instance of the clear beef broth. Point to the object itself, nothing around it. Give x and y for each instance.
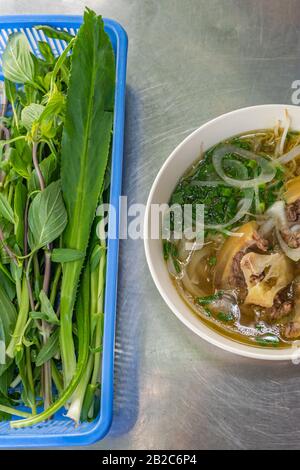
(244, 286)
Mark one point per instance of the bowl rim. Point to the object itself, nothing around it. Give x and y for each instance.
(203, 331)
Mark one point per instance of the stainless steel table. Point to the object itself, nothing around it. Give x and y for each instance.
(189, 61)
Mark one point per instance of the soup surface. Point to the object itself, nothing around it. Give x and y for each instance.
(239, 269)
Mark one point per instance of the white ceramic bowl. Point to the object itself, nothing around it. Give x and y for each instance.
(225, 126)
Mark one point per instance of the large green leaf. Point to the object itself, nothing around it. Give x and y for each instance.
(19, 212)
(19, 161)
(8, 317)
(7, 283)
(49, 349)
(54, 33)
(6, 209)
(17, 63)
(47, 216)
(85, 149)
(47, 312)
(31, 114)
(66, 255)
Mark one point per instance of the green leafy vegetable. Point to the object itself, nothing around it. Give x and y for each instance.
(8, 317)
(31, 114)
(47, 216)
(20, 198)
(66, 255)
(85, 147)
(17, 62)
(6, 209)
(54, 149)
(49, 349)
(225, 317)
(47, 312)
(210, 298)
(55, 33)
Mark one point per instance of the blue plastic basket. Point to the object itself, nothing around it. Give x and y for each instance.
(60, 431)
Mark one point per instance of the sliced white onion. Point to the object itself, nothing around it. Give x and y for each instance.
(194, 260)
(268, 170)
(289, 156)
(192, 288)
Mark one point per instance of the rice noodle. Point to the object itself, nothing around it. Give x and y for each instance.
(285, 131)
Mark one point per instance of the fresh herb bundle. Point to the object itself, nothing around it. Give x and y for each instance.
(55, 127)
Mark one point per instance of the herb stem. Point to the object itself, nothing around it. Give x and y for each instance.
(30, 378)
(37, 166)
(21, 320)
(14, 411)
(57, 378)
(69, 390)
(55, 284)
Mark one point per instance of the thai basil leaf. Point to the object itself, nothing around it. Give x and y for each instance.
(48, 168)
(16, 271)
(47, 216)
(53, 33)
(18, 163)
(8, 317)
(19, 211)
(31, 114)
(6, 209)
(49, 349)
(7, 285)
(17, 62)
(46, 51)
(65, 255)
(10, 90)
(47, 312)
(54, 107)
(5, 381)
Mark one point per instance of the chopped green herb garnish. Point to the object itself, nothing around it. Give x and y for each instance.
(207, 311)
(177, 265)
(166, 249)
(226, 317)
(210, 298)
(212, 261)
(267, 341)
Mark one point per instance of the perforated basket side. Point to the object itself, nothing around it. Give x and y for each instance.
(60, 431)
